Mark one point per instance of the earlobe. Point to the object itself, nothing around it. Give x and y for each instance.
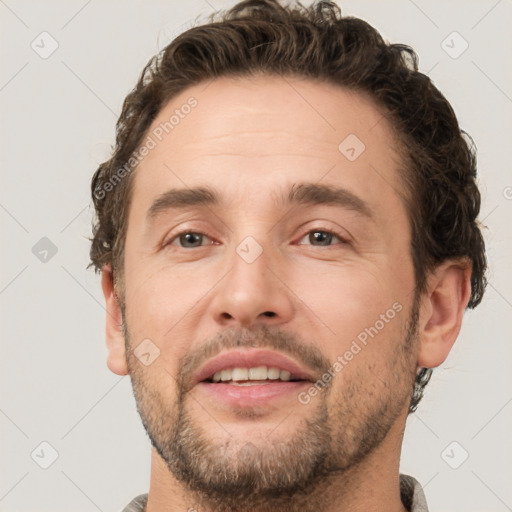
(441, 312)
(116, 359)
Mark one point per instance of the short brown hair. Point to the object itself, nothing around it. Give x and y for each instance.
(315, 42)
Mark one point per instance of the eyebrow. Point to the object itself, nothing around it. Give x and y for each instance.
(308, 194)
(182, 198)
(316, 194)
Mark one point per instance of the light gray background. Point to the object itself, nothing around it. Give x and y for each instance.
(57, 125)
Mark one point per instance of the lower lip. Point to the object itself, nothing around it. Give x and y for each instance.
(253, 395)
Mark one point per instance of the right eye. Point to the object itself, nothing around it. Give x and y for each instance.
(187, 240)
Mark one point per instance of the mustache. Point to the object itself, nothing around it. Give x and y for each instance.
(262, 336)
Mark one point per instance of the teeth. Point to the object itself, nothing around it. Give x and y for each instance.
(273, 373)
(259, 373)
(284, 375)
(239, 374)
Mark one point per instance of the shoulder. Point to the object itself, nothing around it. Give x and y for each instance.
(412, 494)
(138, 504)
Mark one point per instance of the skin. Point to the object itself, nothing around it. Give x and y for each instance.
(252, 139)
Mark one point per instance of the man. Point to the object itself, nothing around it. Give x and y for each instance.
(329, 199)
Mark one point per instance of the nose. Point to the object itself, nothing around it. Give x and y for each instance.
(253, 292)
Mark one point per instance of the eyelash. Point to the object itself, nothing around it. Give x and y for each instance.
(342, 239)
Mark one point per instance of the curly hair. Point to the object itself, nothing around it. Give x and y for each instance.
(316, 42)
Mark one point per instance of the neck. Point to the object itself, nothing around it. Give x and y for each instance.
(371, 486)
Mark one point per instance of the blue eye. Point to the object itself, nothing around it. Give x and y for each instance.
(316, 238)
(188, 237)
(322, 237)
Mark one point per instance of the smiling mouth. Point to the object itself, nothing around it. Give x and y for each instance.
(259, 375)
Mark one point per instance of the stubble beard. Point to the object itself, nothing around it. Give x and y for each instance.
(291, 473)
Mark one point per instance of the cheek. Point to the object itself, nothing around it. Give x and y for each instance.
(155, 311)
(161, 304)
(347, 300)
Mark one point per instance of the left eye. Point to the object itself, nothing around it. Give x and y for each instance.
(322, 237)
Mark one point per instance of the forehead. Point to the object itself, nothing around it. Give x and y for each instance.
(239, 133)
(308, 111)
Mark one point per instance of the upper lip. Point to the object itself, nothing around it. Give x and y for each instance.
(251, 358)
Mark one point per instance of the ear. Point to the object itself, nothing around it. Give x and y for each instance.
(116, 359)
(441, 311)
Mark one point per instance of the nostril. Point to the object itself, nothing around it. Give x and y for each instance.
(269, 313)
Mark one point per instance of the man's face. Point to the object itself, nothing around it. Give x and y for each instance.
(270, 283)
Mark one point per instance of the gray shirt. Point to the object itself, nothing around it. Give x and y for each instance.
(411, 493)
